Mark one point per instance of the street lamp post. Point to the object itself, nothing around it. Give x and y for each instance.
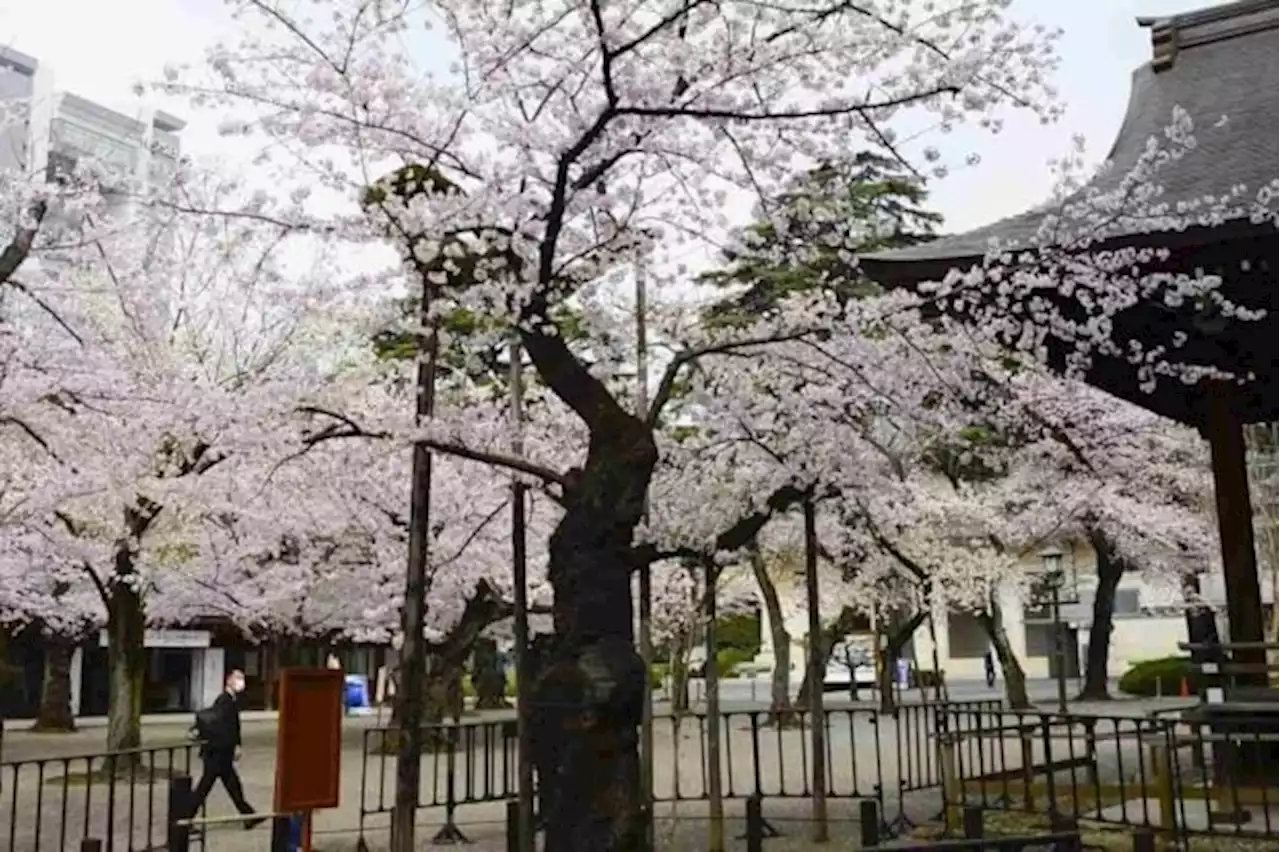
(1052, 559)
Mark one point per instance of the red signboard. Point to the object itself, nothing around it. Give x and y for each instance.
(309, 740)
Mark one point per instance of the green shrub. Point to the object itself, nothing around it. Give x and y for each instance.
(1160, 677)
(739, 632)
(728, 660)
(658, 675)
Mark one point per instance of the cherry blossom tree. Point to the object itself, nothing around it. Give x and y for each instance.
(150, 380)
(578, 133)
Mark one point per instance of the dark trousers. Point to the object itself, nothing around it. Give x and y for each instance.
(220, 765)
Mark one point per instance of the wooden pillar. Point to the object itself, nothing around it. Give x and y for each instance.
(1224, 430)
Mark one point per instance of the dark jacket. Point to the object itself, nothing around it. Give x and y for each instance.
(226, 733)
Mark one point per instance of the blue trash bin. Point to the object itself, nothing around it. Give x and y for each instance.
(357, 691)
(295, 833)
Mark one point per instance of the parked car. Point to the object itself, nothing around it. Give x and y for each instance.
(849, 665)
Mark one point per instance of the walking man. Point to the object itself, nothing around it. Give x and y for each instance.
(989, 668)
(219, 730)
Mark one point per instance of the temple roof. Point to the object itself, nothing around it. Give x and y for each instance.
(1215, 62)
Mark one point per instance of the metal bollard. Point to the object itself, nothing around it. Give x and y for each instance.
(282, 834)
(869, 817)
(178, 837)
(90, 844)
(973, 827)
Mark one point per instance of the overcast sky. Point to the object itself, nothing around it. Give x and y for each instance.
(98, 50)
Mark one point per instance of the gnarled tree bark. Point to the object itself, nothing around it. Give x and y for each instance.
(488, 678)
(781, 711)
(1110, 570)
(896, 639)
(55, 693)
(1015, 679)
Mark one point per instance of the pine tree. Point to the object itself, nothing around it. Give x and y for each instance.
(813, 233)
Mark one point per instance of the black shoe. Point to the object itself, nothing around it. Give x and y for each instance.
(254, 822)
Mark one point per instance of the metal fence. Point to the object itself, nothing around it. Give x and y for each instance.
(869, 755)
(1164, 774)
(119, 798)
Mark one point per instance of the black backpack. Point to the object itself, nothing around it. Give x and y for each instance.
(206, 726)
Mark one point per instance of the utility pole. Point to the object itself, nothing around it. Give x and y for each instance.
(645, 639)
(413, 652)
(519, 579)
(817, 722)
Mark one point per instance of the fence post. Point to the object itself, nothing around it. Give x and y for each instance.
(1162, 776)
(513, 826)
(869, 819)
(90, 844)
(973, 826)
(178, 836)
(1144, 840)
(755, 823)
(952, 794)
(449, 833)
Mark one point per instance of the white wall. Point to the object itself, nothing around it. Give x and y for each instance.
(207, 672)
(1134, 637)
(1144, 638)
(77, 669)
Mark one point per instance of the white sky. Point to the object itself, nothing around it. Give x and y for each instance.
(98, 50)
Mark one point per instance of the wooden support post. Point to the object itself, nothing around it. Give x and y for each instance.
(1026, 745)
(90, 844)
(952, 789)
(973, 823)
(1224, 430)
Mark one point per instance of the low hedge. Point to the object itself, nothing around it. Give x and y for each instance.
(1160, 677)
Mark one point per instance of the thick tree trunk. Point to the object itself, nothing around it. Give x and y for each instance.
(781, 710)
(6, 674)
(127, 665)
(443, 701)
(680, 675)
(488, 678)
(55, 692)
(895, 640)
(830, 635)
(1015, 679)
(589, 701)
(1110, 570)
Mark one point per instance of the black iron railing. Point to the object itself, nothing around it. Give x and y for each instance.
(119, 799)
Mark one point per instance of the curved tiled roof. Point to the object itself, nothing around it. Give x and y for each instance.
(1214, 62)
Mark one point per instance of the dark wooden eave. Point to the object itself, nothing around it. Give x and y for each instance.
(1214, 63)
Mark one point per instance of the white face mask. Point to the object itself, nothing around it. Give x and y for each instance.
(236, 685)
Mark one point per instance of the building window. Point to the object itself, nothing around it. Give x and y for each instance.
(1128, 602)
(1039, 639)
(966, 640)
